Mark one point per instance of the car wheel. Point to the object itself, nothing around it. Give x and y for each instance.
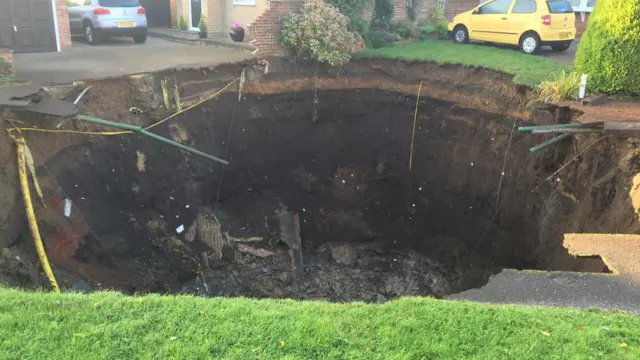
(559, 48)
(460, 35)
(140, 39)
(530, 43)
(91, 35)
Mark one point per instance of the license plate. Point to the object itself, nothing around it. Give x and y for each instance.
(564, 35)
(126, 24)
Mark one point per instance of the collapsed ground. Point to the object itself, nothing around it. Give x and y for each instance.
(150, 218)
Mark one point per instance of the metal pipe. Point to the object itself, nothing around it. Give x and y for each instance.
(551, 131)
(139, 130)
(558, 126)
(549, 142)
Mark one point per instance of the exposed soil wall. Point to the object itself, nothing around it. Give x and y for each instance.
(332, 148)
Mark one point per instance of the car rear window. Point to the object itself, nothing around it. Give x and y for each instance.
(118, 3)
(559, 7)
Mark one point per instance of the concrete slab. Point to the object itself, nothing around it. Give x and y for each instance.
(117, 57)
(565, 289)
(621, 252)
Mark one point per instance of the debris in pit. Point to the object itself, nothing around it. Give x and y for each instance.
(141, 159)
(241, 239)
(261, 253)
(344, 254)
(285, 277)
(304, 178)
(207, 231)
(290, 235)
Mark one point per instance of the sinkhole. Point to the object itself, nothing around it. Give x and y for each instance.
(329, 194)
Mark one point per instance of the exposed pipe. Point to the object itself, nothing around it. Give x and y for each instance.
(549, 142)
(31, 217)
(139, 130)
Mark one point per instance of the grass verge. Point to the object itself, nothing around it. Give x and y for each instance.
(527, 69)
(112, 326)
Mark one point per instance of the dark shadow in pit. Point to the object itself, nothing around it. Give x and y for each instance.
(371, 227)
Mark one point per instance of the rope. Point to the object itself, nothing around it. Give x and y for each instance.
(415, 120)
(113, 133)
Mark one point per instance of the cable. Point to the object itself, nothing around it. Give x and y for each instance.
(113, 133)
(504, 164)
(415, 120)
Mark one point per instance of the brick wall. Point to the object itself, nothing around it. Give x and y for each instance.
(266, 27)
(455, 7)
(62, 13)
(581, 26)
(423, 10)
(6, 62)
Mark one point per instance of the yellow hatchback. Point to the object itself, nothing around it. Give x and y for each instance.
(530, 24)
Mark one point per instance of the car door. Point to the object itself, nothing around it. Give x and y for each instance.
(489, 22)
(520, 19)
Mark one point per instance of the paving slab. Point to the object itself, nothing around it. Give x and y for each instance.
(561, 289)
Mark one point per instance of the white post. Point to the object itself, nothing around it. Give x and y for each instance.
(583, 86)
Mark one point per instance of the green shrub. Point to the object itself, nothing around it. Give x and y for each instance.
(182, 25)
(412, 9)
(406, 29)
(439, 28)
(379, 38)
(609, 51)
(436, 15)
(383, 14)
(354, 10)
(442, 28)
(319, 32)
(202, 25)
(562, 87)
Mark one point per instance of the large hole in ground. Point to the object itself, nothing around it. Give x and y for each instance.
(371, 227)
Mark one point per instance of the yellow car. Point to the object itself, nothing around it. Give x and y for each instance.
(530, 24)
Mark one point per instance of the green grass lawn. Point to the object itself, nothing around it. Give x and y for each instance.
(112, 326)
(528, 70)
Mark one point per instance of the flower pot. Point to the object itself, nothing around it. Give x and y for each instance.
(237, 35)
(203, 35)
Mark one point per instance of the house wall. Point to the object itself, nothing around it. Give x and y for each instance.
(247, 14)
(581, 25)
(64, 31)
(264, 29)
(455, 7)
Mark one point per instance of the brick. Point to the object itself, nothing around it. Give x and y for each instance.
(64, 31)
(6, 62)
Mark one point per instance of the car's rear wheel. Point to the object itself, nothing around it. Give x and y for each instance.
(460, 34)
(91, 35)
(140, 39)
(560, 47)
(530, 43)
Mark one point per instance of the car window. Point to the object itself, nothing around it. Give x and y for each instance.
(118, 3)
(525, 7)
(559, 7)
(495, 7)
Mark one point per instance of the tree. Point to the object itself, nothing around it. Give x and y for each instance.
(609, 52)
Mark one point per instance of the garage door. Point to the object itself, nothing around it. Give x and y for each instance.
(158, 13)
(27, 25)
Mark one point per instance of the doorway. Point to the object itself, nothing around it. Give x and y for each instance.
(195, 9)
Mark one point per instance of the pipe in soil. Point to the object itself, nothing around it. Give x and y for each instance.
(369, 226)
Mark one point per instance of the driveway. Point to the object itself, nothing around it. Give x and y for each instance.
(116, 57)
(565, 57)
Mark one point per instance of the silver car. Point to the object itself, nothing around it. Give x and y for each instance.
(100, 19)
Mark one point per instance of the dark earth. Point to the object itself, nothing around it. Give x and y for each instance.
(370, 227)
